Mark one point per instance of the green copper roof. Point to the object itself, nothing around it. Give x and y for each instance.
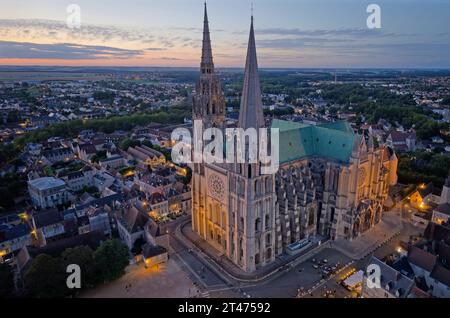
(338, 125)
(330, 140)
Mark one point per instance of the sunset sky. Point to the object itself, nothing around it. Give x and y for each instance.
(289, 33)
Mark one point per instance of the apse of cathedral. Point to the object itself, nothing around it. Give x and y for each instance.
(332, 183)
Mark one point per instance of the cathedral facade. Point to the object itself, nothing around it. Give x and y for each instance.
(331, 182)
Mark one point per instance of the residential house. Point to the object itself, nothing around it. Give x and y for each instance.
(430, 260)
(79, 180)
(13, 238)
(179, 198)
(393, 284)
(86, 152)
(49, 226)
(402, 141)
(158, 205)
(103, 180)
(59, 154)
(47, 192)
(441, 214)
(130, 224)
(112, 163)
(425, 194)
(147, 156)
(99, 220)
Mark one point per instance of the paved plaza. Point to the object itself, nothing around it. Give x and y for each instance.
(287, 283)
(390, 226)
(167, 281)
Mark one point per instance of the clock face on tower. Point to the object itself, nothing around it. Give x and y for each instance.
(216, 187)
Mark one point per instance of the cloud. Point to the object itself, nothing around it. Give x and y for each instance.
(58, 30)
(66, 51)
(344, 32)
(155, 49)
(295, 43)
(196, 30)
(170, 59)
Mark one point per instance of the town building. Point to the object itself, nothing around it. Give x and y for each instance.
(147, 156)
(131, 225)
(49, 226)
(47, 192)
(112, 163)
(402, 141)
(59, 154)
(441, 214)
(78, 180)
(393, 284)
(430, 259)
(425, 195)
(13, 237)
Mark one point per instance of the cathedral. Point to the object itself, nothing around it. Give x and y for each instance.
(331, 182)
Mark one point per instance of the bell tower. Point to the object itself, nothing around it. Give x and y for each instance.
(252, 193)
(208, 101)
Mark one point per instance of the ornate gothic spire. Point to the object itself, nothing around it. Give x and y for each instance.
(251, 112)
(209, 102)
(207, 64)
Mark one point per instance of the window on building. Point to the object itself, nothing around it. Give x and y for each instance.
(268, 240)
(257, 225)
(311, 217)
(269, 253)
(332, 210)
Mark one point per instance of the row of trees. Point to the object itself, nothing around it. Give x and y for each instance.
(11, 186)
(376, 103)
(47, 275)
(422, 166)
(174, 115)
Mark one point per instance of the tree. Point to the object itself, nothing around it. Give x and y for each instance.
(147, 143)
(46, 278)
(127, 143)
(111, 259)
(6, 281)
(423, 167)
(82, 256)
(100, 155)
(13, 116)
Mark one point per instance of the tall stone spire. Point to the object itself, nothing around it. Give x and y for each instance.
(251, 112)
(208, 100)
(207, 64)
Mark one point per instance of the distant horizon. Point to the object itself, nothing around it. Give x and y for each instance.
(227, 67)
